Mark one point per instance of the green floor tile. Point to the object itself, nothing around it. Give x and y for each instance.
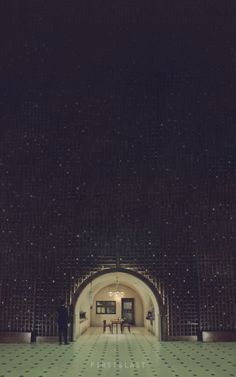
(129, 355)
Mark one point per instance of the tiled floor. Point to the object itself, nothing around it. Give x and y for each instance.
(135, 354)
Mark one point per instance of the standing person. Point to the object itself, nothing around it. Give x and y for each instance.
(63, 320)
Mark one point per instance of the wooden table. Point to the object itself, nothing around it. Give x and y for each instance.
(116, 322)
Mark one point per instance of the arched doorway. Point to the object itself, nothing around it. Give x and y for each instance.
(84, 300)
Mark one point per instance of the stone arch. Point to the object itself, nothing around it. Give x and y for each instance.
(132, 273)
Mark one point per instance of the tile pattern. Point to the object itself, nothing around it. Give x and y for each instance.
(135, 354)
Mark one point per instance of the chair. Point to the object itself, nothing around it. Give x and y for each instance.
(125, 324)
(105, 325)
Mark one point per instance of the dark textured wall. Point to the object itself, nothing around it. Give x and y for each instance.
(117, 142)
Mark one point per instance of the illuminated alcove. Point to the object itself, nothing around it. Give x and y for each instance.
(98, 288)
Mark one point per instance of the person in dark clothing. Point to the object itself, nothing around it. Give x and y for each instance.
(63, 320)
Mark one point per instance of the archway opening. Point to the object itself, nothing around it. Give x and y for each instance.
(92, 302)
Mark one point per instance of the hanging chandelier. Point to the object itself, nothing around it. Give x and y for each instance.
(116, 293)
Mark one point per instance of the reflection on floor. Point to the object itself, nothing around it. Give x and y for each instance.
(135, 354)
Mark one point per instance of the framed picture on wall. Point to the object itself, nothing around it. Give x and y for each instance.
(105, 307)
